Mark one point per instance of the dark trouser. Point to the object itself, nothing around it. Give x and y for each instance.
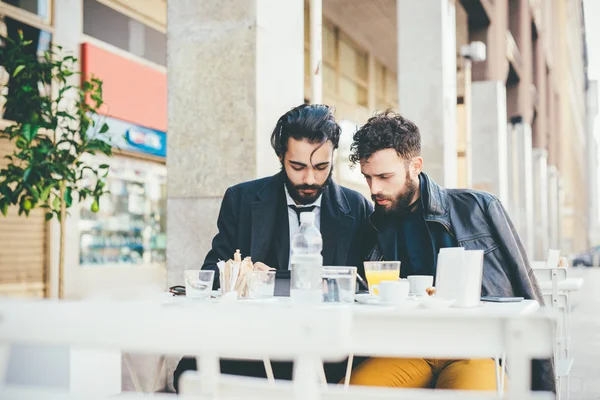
(334, 372)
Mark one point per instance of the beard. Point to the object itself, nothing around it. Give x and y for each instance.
(298, 196)
(400, 203)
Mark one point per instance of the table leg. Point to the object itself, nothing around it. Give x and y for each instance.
(161, 363)
(132, 374)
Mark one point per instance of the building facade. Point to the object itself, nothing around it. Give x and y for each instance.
(517, 124)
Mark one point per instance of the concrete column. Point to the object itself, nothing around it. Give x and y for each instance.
(490, 161)
(427, 80)
(541, 128)
(523, 39)
(524, 176)
(540, 198)
(592, 164)
(234, 68)
(495, 67)
(522, 173)
(513, 205)
(68, 28)
(553, 207)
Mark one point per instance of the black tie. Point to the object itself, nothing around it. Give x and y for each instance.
(300, 210)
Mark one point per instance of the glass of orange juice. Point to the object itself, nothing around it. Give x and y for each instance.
(379, 271)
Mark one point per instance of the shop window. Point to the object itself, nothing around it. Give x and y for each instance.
(40, 43)
(39, 8)
(117, 29)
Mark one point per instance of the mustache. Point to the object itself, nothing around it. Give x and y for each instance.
(307, 187)
(375, 197)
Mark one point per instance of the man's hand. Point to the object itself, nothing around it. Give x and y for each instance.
(258, 266)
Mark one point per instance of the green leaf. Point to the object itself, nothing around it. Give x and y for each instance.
(18, 69)
(104, 128)
(49, 216)
(56, 203)
(45, 193)
(26, 174)
(68, 197)
(35, 192)
(103, 166)
(4, 208)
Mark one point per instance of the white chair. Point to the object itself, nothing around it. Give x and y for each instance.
(210, 331)
(551, 280)
(435, 335)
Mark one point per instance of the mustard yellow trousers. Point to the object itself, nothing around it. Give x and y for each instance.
(476, 374)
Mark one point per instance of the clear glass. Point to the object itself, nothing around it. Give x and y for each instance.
(379, 271)
(339, 284)
(261, 284)
(198, 283)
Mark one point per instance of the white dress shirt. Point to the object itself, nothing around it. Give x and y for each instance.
(293, 217)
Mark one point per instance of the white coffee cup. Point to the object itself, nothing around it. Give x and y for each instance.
(419, 284)
(394, 291)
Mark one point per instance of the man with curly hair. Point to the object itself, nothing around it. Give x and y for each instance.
(414, 217)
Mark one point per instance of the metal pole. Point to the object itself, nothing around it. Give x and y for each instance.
(316, 51)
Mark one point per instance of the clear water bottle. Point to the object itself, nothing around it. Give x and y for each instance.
(306, 262)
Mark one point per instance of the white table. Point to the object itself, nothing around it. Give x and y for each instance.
(376, 324)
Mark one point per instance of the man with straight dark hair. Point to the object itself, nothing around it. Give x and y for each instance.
(260, 217)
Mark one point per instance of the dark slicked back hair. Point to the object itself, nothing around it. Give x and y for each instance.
(386, 130)
(314, 123)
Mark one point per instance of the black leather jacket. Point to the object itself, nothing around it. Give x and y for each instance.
(478, 221)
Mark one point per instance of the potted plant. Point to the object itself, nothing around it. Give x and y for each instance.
(55, 126)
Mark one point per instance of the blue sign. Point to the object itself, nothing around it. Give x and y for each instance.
(127, 136)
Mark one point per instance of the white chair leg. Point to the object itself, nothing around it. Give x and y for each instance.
(209, 369)
(348, 372)
(321, 369)
(498, 381)
(306, 378)
(500, 373)
(503, 373)
(269, 370)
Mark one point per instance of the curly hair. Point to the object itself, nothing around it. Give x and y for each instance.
(386, 130)
(312, 122)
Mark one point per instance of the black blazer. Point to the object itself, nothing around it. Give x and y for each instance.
(247, 222)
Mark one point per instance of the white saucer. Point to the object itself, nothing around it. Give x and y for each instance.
(407, 304)
(433, 303)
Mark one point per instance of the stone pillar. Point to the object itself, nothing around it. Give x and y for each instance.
(513, 176)
(427, 80)
(490, 161)
(234, 68)
(68, 28)
(540, 196)
(592, 164)
(524, 175)
(553, 207)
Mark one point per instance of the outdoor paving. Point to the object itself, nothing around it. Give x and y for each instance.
(585, 337)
